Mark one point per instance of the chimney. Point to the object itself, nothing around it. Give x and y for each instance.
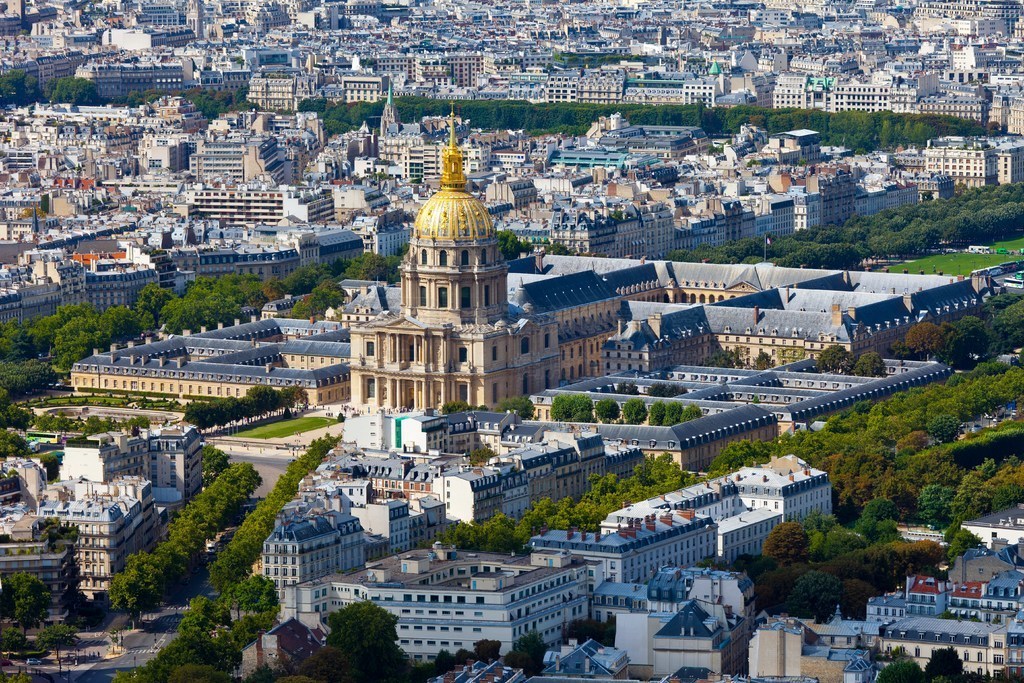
(95, 351)
(837, 315)
(131, 344)
(269, 367)
(757, 315)
(538, 260)
(202, 330)
(597, 536)
(852, 312)
(179, 362)
(113, 347)
(253, 318)
(622, 326)
(237, 321)
(186, 333)
(163, 361)
(220, 326)
(686, 514)
(654, 320)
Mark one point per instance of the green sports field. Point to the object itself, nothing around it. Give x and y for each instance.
(962, 264)
(285, 428)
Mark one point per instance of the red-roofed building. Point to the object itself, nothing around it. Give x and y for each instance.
(927, 596)
(290, 642)
(965, 598)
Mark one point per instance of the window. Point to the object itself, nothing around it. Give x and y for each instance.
(464, 298)
(483, 257)
(442, 296)
(464, 257)
(463, 354)
(423, 257)
(494, 352)
(442, 259)
(371, 387)
(487, 295)
(423, 296)
(547, 340)
(524, 345)
(526, 384)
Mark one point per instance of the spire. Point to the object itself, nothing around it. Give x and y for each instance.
(452, 175)
(390, 98)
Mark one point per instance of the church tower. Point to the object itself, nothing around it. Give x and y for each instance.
(453, 339)
(389, 117)
(196, 20)
(454, 272)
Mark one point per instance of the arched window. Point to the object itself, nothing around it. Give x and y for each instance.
(443, 258)
(423, 296)
(464, 258)
(423, 257)
(524, 345)
(483, 257)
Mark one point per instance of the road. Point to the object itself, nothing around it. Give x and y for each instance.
(270, 465)
(159, 628)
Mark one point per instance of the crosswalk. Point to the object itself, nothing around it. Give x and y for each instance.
(142, 650)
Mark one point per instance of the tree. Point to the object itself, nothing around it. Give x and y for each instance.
(933, 505)
(763, 361)
(455, 407)
(328, 665)
(12, 640)
(869, 364)
(72, 90)
(487, 650)
(967, 342)
(656, 415)
(946, 662)
(215, 461)
(56, 637)
(607, 410)
(815, 594)
(533, 646)
(255, 594)
(925, 339)
(944, 428)
(520, 405)
(960, 542)
(835, 358)
(902, 671)
(25, 599)
(443, 662)
(367, 634)
(198, 673)
(18, 88)
(786, 544)
(662, 390)
(572, 408)
(481, 455)
(510, 245)
(137, 587)
(691, 412)
(634, 411)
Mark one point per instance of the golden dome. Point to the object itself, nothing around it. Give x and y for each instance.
(452, 213)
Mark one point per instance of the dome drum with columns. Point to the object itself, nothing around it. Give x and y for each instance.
(454, 339)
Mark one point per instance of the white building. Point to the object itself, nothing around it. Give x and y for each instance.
(449, 600)
(745, 533)
(305, 546)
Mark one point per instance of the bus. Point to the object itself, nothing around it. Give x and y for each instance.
(1015, 281)
(42, 437)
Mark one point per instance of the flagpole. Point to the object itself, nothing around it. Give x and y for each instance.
(765, 259)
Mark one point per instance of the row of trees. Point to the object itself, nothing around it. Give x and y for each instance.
(652, 477)
(19, 89)
(861, 131)
(140, 586)
(977, 216)
(234, 563)
(259, 401)
(580, 408)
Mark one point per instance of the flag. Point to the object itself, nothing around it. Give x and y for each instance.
(767, 240)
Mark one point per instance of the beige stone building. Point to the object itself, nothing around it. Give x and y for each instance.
(453, 338)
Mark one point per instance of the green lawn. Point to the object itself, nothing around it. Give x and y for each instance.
(962, 264)
(285, 428)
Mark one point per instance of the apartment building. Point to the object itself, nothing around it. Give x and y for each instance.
(170, 458)
(449, 599)
(114, 520)
(475, 494)
(239, 160)
(117, 286)
(981, 646)
(259, 204)
(308, 544)
(117, 79)
(636, 551)
(969, 162)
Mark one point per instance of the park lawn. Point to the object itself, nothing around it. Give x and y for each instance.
(952, 264)
(276, 430)
(962, 263)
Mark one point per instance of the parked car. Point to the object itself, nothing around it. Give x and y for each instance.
(6, 662)
(32, 661)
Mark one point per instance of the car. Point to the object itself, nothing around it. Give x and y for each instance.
(6, 662)
(32, 661)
